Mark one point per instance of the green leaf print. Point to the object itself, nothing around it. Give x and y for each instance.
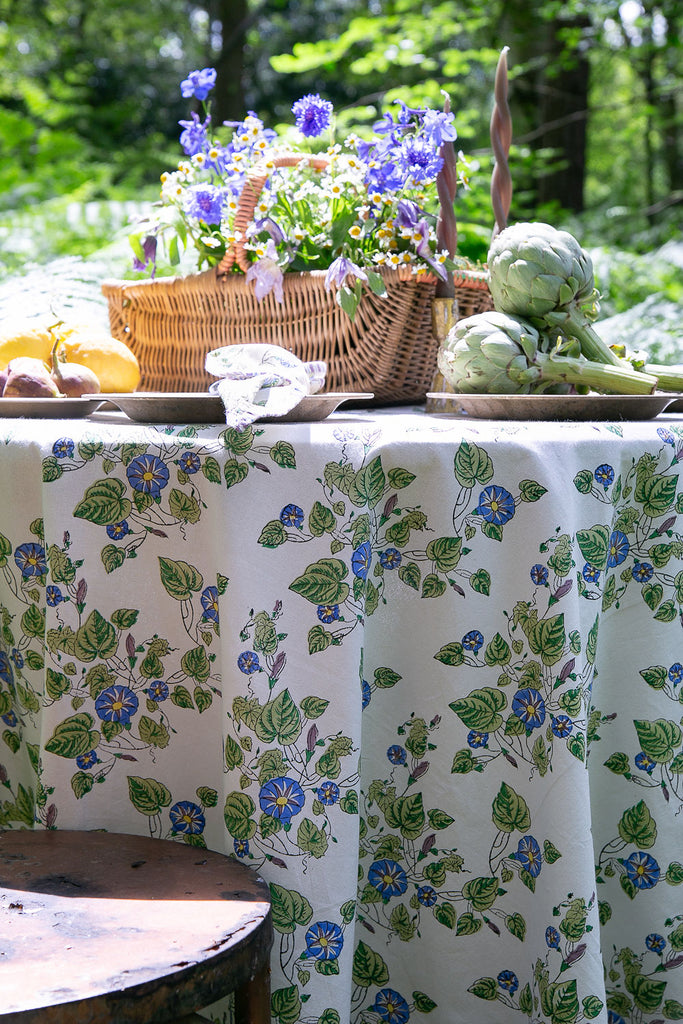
(280, 721)
(510, 810)
(154, 733)
(321, 519)
(273, 534)
(112, 557)
(5, 550)
(656, 493)
(180, 580)
(184, 507)
(234, 472)
(647, 994)
(103, 503)
(497, 652)
(283, 455)
(659, 739)
(547, 638)
(481, 893)
(481, 709)
(96, 638)
(445, 552)
(147, 796)
(196, 665)
(400, 478)
(370, 482)
(73, 736)
(472, 465)
(560, 1002)
(516, 925)
(321, 583)
(237, 813)
(289, 909)
(311, 839)
(368, 967)
(594, 545)
(531, 490)
(286, 1004)
(33, 621)
(484, 988)
(637, 826)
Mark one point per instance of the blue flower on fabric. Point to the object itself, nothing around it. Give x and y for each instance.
(209, 599)
(360, 560)
(618, 548)
(642, 870)
(477, 739)
(397, 754)
(496, 505)
(328, 612)
(590, 573)
(189, 462)
(656, 943)
(642, 572)
(552, 938)
(539, 575)
(158, 691)
(390, 559)
(473, 641)
(529, 855)
(147, 474)
(117, 531)
(508, 980)
(248, 662)
(198, 84)
(388, 878)
(645, 762)
(17, 657)
(426, 896)
(324, 940)
(85, 761)
(666, 435)
(528, 705)
(53, 595)
(391, 1006)
(312, 115)
(281, 798)
(63, 448)
(676, 673)
(292, 515)
(366, 694)
(614, 1018)
(6, 673)
(187, 817)
(562, 725)
(10, 719)
(241, 847)
(604, 475)
(328, 793)
(116, 704)
(30, 559)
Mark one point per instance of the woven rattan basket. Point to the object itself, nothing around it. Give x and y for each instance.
(389, 348)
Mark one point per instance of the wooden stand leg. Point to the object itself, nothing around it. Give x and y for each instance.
(252, 1000)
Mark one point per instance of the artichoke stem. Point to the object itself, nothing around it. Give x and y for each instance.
(668, 377)
(615, 380)
(592, 345)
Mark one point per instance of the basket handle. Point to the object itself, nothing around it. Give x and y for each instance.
(249, 197)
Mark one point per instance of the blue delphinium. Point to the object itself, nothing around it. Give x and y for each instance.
(198, 84)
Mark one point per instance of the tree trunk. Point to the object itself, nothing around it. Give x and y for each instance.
(228, 99)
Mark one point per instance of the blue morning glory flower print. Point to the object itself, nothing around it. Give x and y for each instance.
(539, 575)
(30, 559)
(324, 940)
(328, 612)
(63, 448)
(6, 673)
(241, 847)
(117, 531)
(187, 817)
(590, 573)
(529, 705)
(17, 657)
(366, 694)
(209, 599)
(292, 515)
(562, 725)
(642, 572)
(388, 877)
(552, 938)
(360, 560)
(397, 754)
(676, 673)
(473, 641)
(642, 870)
(53, 595)
(390, 559)
(147, 474)
(656, 943)
(426, 896)
(645, 762)
(281, 798)
(248, 662)
(189, 462)
(391, 1006)
(116, 704)
(618, 548)
(509, 981)
(604, 475)
(475, 738)
(666, 435)
(529, 855)
(328, 793)
(496, 505)
(10, 719)
(614, 1018)
(85, 761)
(158, 691)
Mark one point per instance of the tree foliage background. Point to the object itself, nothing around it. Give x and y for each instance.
(90, 100)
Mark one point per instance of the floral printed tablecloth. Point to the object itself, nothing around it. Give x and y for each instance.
(424, 674)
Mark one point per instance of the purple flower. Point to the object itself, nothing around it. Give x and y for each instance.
(193, 137)
(149, 249)
(340, 269)
(439, 127)
(266, 274)
(205, 203)
(198, 84)
(312, 115)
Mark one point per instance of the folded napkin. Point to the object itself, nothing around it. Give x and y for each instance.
(260, 380)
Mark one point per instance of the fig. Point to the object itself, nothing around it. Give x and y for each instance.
(29, 378)
(73, 379)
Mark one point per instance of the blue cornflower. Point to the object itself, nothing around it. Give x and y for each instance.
(198, 84)
(419, 161)
(312, 115)
(205, 203)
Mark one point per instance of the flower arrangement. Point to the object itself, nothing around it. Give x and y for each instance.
(370, 203)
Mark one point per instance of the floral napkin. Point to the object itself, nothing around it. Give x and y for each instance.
(260, 380)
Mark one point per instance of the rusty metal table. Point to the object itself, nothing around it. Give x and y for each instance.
(104, 927)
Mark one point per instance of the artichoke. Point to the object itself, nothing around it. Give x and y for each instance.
(543, 275)
(493, 353)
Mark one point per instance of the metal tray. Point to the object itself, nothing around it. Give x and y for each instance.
(185, 407)
(553, 407)
(49, 408)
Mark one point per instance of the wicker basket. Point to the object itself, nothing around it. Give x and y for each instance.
(389, 348)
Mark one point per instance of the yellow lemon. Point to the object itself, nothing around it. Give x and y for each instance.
(113, 363)
(25, 339)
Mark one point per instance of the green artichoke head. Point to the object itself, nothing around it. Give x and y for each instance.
(534, 269)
